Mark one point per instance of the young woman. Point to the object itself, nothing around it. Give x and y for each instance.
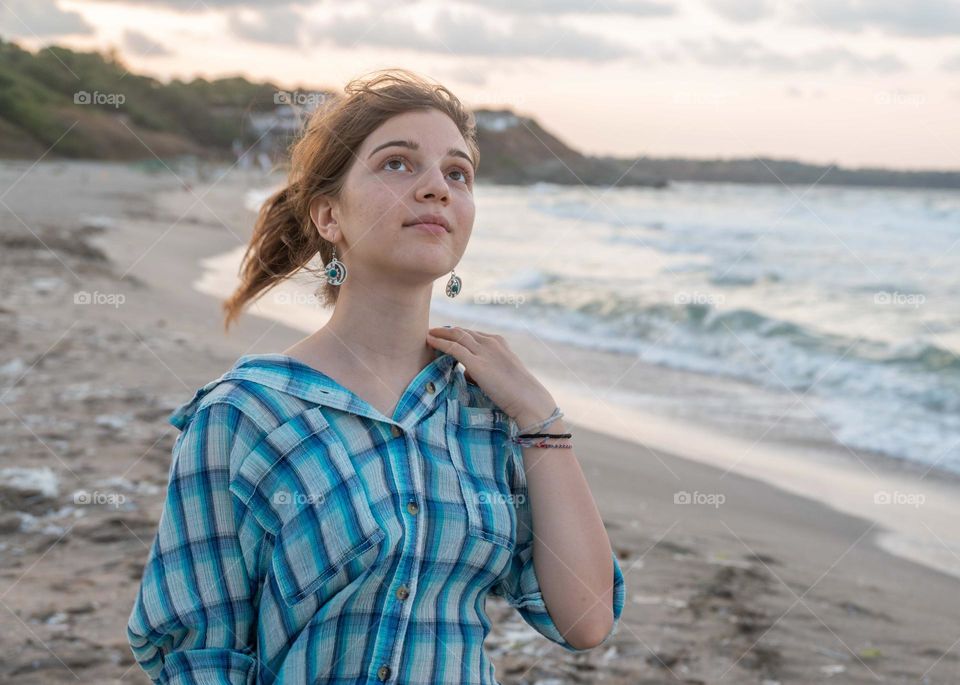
(339, 512)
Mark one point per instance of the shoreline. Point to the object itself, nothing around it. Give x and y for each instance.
(868, 485)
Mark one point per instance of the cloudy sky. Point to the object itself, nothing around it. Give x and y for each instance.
(854, 82)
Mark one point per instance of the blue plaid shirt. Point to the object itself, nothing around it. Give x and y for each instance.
(307, 538)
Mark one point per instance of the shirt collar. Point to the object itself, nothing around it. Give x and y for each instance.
(288, 375)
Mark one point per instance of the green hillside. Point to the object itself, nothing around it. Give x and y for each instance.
(66, 104)
(42, 96)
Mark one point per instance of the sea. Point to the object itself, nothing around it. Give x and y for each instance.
(819, 310)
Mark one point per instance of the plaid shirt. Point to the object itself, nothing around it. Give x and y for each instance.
(307, 538)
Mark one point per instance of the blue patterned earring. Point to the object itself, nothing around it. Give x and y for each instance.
(335, 270)
(453, 285)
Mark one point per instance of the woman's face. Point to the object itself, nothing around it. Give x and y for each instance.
(408, 167)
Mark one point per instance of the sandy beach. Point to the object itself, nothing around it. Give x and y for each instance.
(743, 566)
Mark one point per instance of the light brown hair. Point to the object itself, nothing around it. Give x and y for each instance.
(284, 238)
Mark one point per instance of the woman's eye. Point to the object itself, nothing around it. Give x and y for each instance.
(395, 159)
(464, 174)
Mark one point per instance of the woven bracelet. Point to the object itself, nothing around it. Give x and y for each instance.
(543, 424)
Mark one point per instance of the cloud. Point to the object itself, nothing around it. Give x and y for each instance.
(741, 10)
(460, 35)
(749, 53)
(274, 25)
(207, 5)
(951, 63)
(913, 18)
(916, 18)
(470, 75)
(29, 18)
(141, 44)
(640, 8)
(548, 8)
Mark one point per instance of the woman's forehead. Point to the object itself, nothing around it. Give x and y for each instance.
(421, 130)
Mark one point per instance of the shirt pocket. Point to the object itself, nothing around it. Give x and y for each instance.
(303, 488)
(477, 442)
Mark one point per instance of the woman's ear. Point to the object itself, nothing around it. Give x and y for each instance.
(323, 216)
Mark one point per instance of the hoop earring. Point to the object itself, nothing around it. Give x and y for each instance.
(453, 285)
(335, 270)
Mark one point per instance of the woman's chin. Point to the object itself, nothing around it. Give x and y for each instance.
(430, 257)
(424, 268)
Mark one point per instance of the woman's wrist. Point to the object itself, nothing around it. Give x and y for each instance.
(535, 414)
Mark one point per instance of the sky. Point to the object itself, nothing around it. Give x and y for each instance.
(848, 82)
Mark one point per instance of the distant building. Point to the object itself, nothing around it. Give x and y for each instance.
(496, 120)
(275, 129)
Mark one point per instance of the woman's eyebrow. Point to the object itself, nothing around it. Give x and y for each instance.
(413, 145)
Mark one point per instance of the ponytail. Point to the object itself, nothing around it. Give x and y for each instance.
(284, 241)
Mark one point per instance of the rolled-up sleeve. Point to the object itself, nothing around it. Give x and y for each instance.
(194, 618)
(519, 585)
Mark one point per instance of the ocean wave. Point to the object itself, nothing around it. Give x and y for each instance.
(925, 355)
(903, 402)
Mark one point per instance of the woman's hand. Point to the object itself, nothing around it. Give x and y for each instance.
(497, 370)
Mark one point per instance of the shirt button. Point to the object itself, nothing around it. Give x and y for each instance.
(413, 508)
(403, 592)
(383, 672)
(396, 430)
(431, 387)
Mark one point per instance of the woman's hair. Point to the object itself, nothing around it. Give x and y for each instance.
(284, 238)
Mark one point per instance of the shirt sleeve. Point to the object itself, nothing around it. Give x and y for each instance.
(519, 585)
(194, 618)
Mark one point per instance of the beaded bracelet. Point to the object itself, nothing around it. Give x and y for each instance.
(527, 438)
(543, 444)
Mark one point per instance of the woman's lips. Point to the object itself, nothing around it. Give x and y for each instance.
(436, 229)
